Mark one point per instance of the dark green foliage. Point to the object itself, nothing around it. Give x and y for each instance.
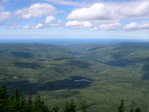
(138, 110)
(40, 106)
(3, 93)
(146, 71)
(18, 103)
(3, 51)
(25, 86)
(119, 62)
(68, 83)
(30, 101)
(83, 106)
(17, 94)
(77, 63)
(70, 107)
(27, 65)
(55, 109)
(75, 82)
(94, 48)
(119, 59)
(121, 107)
(22, 54)
(3, 98)
(132, 107)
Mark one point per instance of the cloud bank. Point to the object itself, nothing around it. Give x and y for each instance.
(108, 15)
(36, 10)
(137, 26)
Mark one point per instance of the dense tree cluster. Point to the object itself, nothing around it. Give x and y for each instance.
(19, 103)
(133, 107)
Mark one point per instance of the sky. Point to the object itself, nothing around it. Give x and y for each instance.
(114, 19)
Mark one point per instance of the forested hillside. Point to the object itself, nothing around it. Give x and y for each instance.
(99, 74)
(20, 103)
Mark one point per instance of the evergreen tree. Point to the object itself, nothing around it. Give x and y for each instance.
(3, 99)
(30, 101)
(132, 107)
(19, 103)
(66, 107)
(138, 110)
(83, 106)
(70, 107)
(121, 107)
(29, 106)
(55, 109)
(40, 106)
(17, 94)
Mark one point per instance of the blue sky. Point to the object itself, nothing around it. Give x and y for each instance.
(120, 19)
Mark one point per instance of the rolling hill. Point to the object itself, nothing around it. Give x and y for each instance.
(100, 74)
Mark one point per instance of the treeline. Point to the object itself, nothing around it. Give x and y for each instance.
(133, 107)
(19, 103)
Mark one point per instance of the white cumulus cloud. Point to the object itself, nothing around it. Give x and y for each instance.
(36, 10)
(137, 26)
(27, 27)
(39, 26)
(78, 24)
(112, 11)
(4, 16)
(111, 26)
(109, 15)
(96, 11)
(49, 19)
(69, 2)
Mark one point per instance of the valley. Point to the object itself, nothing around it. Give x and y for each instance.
(100, 74)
